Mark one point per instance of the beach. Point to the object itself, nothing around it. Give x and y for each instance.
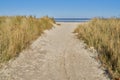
(56, 55)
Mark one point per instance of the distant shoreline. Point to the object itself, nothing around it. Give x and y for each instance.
(72, 19)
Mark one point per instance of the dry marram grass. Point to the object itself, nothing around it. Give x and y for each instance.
(104, 35)
(17, 32)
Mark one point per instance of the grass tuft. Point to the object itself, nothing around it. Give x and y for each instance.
(17, 32)
(104, 36)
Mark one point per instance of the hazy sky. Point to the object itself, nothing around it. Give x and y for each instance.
(61, 8)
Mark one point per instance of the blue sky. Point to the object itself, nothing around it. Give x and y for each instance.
(61, 8)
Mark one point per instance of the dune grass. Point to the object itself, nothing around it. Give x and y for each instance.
(17, 32)
(104, 36)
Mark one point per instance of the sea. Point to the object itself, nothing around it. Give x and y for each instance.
(72, 19)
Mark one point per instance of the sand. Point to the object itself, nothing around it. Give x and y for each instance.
(56, 55)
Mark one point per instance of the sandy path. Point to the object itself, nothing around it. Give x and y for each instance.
(57, 55)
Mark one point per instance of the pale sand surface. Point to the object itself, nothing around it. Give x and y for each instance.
(56, 55)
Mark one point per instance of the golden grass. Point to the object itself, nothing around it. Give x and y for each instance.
(104, 36)
(17, 32)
